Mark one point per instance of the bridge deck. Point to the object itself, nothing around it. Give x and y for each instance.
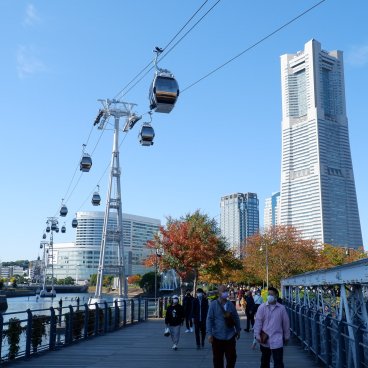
(143, 345)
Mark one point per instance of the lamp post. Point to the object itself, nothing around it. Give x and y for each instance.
(266, 249)
(158, 254)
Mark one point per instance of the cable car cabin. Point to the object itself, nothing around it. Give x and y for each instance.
(44, 236)
(74, 223)
(164, 92)
(96, 199)
(57, 229)
(63, 211)
(53, 226)
(41, 246)
(48, 229)
(85, 163)
(146, 135)
(63, 229)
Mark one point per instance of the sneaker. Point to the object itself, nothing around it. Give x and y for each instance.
(191, 329)
(186, 331)
(174, 347)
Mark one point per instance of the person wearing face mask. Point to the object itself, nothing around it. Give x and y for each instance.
(200, 310)
(272, 330)
(174, 319)
(223, 329)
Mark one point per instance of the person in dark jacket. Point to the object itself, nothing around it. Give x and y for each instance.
(250, 310)
(174, 319)
(199, 315)
(187, 305)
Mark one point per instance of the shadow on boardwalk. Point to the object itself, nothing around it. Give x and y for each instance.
(143, 346)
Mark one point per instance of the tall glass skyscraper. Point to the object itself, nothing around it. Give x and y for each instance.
(317, 181)
(239, 218)
(272, 211)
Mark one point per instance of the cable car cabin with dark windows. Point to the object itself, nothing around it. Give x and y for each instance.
(63, 229)
(74, 223)
(96, 199)
(63, 211)
(85, 163)
(146, 135)
(164, 92)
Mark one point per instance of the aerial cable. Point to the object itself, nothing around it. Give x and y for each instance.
(149, 65)
(253, 46)
(163, 56)
(101, 177)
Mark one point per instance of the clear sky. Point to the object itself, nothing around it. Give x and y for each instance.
(223, 136)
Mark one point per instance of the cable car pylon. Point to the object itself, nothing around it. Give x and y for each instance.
(113, 234)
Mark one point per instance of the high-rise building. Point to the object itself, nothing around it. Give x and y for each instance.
(80, 259)
(271, 216)
(239, 218)
(318, 194)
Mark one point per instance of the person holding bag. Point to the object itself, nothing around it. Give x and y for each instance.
(223, 329)
(174, 319)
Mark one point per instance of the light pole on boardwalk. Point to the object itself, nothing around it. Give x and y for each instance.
(158, 254)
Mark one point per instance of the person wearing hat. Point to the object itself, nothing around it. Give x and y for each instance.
(272, 329)
(200, 310)
(174, 319)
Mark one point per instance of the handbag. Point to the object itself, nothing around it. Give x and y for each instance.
(167, 332)
(263, 337)
(228, 317)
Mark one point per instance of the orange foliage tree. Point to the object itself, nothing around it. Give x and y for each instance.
(191, 246)
(288, 254)
(331, 256)
(134, 279)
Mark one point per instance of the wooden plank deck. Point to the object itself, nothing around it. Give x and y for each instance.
(143, 345)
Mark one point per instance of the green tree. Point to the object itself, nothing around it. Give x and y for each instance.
(147, 282)
(93, 279)
(332, 256)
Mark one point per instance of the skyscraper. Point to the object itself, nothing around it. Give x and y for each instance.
(317, 181)
(239, 218)
(271, 216)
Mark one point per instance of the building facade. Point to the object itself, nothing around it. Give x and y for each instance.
(80, 259)
(271, 216)
(239, 218)
(318, 194)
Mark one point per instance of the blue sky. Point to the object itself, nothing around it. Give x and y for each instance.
(223, 136)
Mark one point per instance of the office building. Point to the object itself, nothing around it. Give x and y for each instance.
(80, 259)
(318, 194)
(271, 216)
(239, 218)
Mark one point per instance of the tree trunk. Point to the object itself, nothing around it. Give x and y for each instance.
(195, 282)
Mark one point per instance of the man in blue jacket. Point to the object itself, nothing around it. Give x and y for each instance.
(199, 315)
(223, 329)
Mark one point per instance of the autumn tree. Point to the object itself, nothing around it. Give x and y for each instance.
(191, 245)
(331, 256)
(288, 254)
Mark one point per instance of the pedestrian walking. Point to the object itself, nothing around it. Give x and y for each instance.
(223, 328)
(199, 314)
(249, 310)
(272, 330)
(188, 305)
(174, 319)
(258, 300)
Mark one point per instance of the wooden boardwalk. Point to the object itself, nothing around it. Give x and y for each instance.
(143, 345)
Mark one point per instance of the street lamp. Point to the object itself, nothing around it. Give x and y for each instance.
(261, 249)
(158, 254)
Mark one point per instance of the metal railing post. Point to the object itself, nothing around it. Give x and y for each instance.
(139, 309)
(340, 345)
(358, 340)
(328, 347)
(70, 329)
(86, 319)
(28, 333)
(317, 337)
(145, 309)
(131, 311)
(1, 332)
(116, 315)
(124, 313)
(106, 317)
(97, 319)
(52, 337)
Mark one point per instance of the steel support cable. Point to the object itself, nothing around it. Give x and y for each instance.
(152, 67)
(169, 43)
(253, 46)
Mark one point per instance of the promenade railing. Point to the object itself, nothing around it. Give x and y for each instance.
(328, 338)
(31, 332)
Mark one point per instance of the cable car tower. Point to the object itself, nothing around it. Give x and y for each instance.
(113, 211)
